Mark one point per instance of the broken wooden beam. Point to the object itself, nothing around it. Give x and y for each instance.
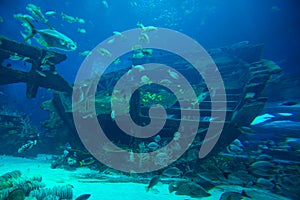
(36, 77)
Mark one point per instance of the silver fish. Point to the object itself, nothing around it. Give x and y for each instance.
(49, 13)
(36, 12)
(23, 18)
(51, 38)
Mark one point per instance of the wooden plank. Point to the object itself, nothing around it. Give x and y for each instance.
(25, 50)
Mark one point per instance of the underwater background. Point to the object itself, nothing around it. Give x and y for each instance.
(213, 24)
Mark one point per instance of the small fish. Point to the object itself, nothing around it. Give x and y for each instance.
(140, 68)
(147, 52)
(79, 20)
(177, 136)
(262, 165)
(265, 183)
(233, 195)
(45, 67)
(144, 38)
(104, 52)
(113, 115)
(136, 47)
(24, 18)
(202, 96)
(83, 197)
(50, 13)
(145, 80)
(104, 3)
(36, 11)
(173, 74)
(294, 143)
(289, 103)
(235, 147)
(172, 172)
(261, 118)
(118, 33)
(15, 57)
(117, 61)
(86, 162)
(154, 180)
(67, 18)
(81, 30)
(264, 157)
(246, 130)
(1, 19)
(146, 28)
(188, 188)
(111, 41)
(133, 4)
(262, 168)
(286, 114)
(165, 82)
(153, 146)
(157, 138)
(85, 53)
(138, 55)
(27, 146)
(41, 73)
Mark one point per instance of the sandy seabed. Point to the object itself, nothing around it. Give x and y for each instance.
(106, 190)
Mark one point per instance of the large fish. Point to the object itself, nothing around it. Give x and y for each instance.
(50, 38)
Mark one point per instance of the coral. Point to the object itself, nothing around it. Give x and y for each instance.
(26, 125)
(14, 186)
(57, 192)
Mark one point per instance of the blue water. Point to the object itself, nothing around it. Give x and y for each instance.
(212, 23)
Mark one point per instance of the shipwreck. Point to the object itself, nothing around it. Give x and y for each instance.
(244, 72)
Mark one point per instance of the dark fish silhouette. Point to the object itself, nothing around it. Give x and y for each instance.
(83, 197)
(289, 103)
(153, 182)
(233, 195)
